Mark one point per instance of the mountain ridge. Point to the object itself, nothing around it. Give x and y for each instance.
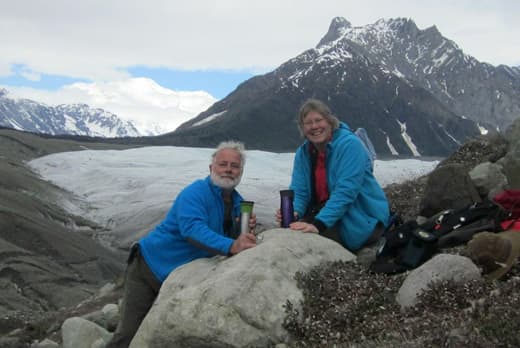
(447, 77)
(77, 119)
(389, 77)
(414, 91)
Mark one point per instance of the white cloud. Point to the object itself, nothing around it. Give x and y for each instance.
(30, 75)
(151, 107)
(97, 39)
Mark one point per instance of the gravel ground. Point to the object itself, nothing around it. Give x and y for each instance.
(346, 306)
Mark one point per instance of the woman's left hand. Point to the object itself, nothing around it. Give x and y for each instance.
(303, 227)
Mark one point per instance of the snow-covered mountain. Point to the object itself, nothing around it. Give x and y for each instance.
(75, 119)
(150, 107)
(425, 58)
(414, 91)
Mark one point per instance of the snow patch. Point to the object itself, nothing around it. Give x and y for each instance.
(209, 118)
(408, 139)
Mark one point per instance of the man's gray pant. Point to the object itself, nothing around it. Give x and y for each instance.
(141, 289)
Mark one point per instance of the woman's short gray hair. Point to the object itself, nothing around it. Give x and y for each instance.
(319, 107)
(233, 145)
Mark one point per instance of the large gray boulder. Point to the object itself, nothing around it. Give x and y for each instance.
(448, 187)
(456, 268)
(489, 179)
(236, 301)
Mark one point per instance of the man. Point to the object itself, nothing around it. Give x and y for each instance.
(201, 223)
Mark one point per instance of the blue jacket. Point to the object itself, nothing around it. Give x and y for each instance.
(193, 228)
(356, 201)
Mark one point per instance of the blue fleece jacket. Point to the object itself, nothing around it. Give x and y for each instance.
(356, 201)
(193, 228)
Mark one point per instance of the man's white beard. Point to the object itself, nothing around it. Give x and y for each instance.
(225, 183)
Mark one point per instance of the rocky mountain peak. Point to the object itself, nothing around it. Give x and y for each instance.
(386, 38)
(386, 33)
(427, 59)
(338, 27)
(402, 24)
(433, 31)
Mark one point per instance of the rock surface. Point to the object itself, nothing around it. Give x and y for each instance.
(81, 333)
(237, 301)
(48, 258)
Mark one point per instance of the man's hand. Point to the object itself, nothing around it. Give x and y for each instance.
(252, 223)
(244, 241)
(303, 227)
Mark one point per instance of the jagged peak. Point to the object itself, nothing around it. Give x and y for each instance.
(337, 28)
(433, 31)
(401, 21)
(401, 26)
(398, 25)
(3, 92)
(340, 22)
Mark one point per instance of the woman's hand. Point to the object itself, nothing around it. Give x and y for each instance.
(278, 217)
(303, 227)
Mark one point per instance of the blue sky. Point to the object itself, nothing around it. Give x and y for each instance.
(218, 83)
(20, 77)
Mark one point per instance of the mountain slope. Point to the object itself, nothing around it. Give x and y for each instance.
(77, 119)
(48, 258)
(479, 91)
(389, 78)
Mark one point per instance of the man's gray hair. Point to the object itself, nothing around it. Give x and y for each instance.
(321, 108)
(233, 145)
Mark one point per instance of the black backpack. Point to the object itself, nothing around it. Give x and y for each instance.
(409, 245)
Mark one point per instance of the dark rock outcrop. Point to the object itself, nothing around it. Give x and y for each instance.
(448, 186)
(413, 198)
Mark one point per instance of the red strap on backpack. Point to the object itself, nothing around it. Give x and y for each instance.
(511, 225)
(510, 201)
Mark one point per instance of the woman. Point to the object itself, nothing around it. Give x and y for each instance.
(335, 191)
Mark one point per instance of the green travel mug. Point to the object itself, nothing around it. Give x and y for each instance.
(246, 208)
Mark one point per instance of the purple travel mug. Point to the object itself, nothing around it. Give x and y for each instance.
(286, 207)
